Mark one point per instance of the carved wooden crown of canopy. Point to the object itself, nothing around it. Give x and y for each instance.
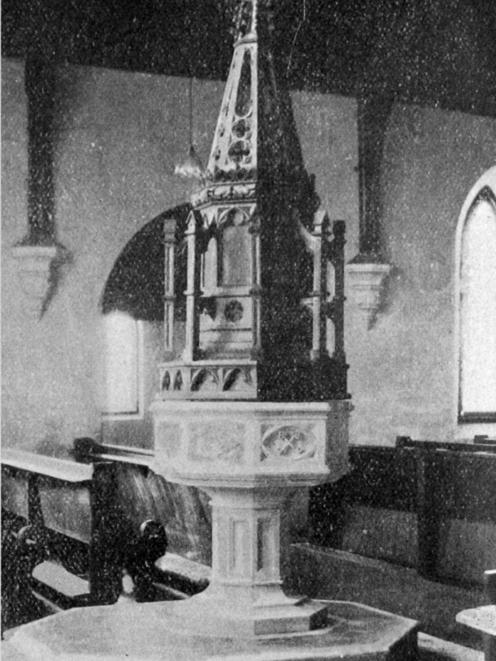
(259, 253)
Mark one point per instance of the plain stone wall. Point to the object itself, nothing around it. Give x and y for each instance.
(402, 374)
(115, 152)
(118, 138)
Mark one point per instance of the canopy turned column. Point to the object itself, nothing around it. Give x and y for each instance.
(169, 293)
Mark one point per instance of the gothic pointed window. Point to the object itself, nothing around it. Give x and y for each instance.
(477, 310)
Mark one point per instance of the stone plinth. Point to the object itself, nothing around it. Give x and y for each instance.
(483, 620)
(250, 457)
(167, 632)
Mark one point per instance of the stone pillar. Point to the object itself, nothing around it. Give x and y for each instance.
(368, 270)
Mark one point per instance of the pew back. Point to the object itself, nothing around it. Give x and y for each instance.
(72, 515)
(421, 504)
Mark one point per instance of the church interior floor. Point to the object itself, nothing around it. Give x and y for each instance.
(337, 575)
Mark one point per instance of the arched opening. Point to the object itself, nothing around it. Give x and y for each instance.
(136, 282)
(132, 304)
(476, 304)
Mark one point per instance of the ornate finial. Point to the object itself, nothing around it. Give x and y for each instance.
(244, 22)
(243, 19)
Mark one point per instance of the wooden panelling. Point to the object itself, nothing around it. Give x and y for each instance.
(381, 533)
(464, 485)
(382, 477)
(66, 509)
(429, 505)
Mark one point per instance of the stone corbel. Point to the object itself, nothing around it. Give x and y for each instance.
(366, 282)
(35, 267)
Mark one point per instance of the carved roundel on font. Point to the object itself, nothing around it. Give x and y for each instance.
(288, 443)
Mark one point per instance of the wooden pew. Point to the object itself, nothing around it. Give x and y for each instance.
(407, 504)
(156, 575)
(448, 477)
(72, 541)
(62, 516)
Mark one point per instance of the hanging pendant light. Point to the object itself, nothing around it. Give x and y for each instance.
(191, 167)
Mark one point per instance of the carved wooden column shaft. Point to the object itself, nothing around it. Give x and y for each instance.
(193, 290)
(319, 293)
(169, 293)
(337, 315)
(256, 289)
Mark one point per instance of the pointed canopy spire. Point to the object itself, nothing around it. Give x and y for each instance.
(255, 136)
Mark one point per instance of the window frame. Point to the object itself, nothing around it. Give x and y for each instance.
(138, 414)
(471, 421)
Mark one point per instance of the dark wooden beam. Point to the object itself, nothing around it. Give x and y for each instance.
(427, 51)
(372, 116)
(40, 91)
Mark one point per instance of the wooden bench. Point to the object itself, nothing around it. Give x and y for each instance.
(408, 504)
(70, 543)
(62, 519)
(448, 481)
(156, 575)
